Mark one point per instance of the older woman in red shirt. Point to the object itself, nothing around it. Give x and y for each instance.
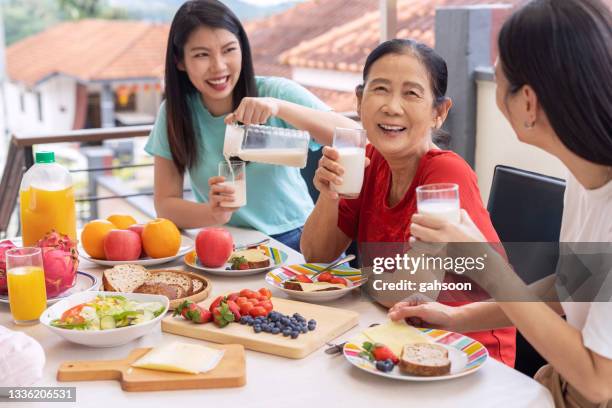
(401, 103)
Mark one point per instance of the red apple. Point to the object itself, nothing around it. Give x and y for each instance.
(138, 229)
(214, 246)
(122, 245)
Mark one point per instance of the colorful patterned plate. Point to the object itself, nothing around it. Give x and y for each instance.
(274, 278)
(466, 354)
(186, 246)
(277, 258)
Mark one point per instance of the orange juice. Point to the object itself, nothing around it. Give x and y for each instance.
(27, 294)
(44, 210)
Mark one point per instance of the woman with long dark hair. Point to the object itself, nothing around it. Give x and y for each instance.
(210, 82)
(553, 86)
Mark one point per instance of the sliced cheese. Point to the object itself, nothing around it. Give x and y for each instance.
(251, 255)
(317, 286)
(181, 358)
(395, 335)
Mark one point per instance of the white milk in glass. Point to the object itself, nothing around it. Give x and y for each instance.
(440, 208)
(282, 157)
(352, 159)
(240, 197)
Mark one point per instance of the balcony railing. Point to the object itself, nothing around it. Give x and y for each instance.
(20, 158)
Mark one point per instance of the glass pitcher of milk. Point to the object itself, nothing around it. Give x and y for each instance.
(267, 144)
(439, 200)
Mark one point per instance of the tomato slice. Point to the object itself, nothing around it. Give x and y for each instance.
(73, 316)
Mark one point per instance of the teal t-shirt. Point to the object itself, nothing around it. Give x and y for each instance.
(277, 196)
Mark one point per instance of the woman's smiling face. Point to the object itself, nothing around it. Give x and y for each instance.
(396, 107)
(213, 61)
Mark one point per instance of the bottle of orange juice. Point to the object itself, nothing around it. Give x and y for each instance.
(46, 200)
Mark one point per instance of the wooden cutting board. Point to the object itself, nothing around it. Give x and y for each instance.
(331, 322)
(230, 372)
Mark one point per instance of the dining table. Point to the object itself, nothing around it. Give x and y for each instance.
(318, 380)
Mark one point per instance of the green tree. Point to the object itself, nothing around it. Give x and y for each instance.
(77, 9)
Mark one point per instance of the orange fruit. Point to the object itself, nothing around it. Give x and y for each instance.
(92, 237)
(161, 238)
(122, 221)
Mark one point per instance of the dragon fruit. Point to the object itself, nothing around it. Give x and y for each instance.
(60, 262)
(4, 246)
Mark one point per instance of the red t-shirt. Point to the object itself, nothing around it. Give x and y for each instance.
(369, 218)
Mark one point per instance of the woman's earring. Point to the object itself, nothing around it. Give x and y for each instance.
(529, 125)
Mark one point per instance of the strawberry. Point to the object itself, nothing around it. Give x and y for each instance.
(216, 303)
(302, 278)
(382, 352)
(239, 263)
(325, 277)
(233, 296)
(199, 315)
(234, 308)
(338, 280)
(185, 308)
(222, 315)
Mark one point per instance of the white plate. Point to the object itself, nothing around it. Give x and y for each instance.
(277, 259)
(102, 338)
(466, 355)
(84, 282)
(275, 277)
(186, 246)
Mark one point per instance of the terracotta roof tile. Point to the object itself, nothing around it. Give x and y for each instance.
(89, 50)
(345, 47)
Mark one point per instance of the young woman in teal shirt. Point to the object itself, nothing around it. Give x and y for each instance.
(210, 82)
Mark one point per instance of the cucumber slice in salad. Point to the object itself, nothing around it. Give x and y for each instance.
(107, 322)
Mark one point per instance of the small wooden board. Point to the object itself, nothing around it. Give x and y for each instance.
(331, 322)
(230, 372)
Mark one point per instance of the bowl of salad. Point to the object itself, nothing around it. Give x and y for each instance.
(105, 319)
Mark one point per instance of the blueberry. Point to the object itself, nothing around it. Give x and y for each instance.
(388, 365)
(257, 328)
(250, 322)
(311, 327)
(312, 321)
(380, 365)
(304, 330)
(275, 330)
(286, 333)
(243, 320)
(294, 335)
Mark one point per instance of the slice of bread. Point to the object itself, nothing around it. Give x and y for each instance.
(424, 359)
(124, 278)
(172, 278)
(197, 284)
(170, 291)
(254, 257)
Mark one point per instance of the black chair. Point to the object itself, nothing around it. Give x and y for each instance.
(526, 207)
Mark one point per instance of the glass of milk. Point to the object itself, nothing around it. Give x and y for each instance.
(439, 200)
(350, 144)
(234, 172)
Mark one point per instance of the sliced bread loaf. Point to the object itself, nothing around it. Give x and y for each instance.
(124, 278)
(197, 284)
(424, 359)
(172, 278)
(170, 291)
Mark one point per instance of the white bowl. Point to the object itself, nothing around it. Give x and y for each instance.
(102, 338)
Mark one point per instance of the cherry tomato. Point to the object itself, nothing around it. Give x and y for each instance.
(258, 311)
(266, 292)
(325, 277)
(241, 300)
(248, 293)
(245, 308)
(73, 313)
(266, 305)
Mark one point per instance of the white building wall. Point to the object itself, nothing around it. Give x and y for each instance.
(496, 143)
(327, 79)
(58, 100)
